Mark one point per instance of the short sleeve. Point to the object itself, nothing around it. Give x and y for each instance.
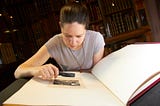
(99, 42)
(53, 45)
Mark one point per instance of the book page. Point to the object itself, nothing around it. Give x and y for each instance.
(146, 84)
(123, 71)
(91, 92)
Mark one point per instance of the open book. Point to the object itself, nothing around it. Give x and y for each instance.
(117, 80)
(130, 71)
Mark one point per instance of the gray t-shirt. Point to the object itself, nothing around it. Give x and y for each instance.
(75, 59)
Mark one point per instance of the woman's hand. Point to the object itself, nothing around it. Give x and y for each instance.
(47, 72)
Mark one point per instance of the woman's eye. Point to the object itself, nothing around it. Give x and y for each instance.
(78, 36)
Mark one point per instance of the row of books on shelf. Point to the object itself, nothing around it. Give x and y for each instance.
(12, 2)
(89, 1)
(119, 23)
(50, 25)
(7, 54)
(56, 4)
(23, 14)
(43, 7)
(44, 27)
(95, 12)
(32, 11)
(98, 27)
(110, 6)
(36, 33)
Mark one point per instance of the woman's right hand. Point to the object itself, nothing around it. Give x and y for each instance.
(47, 72)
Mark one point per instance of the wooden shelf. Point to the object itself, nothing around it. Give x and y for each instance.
(128, 35)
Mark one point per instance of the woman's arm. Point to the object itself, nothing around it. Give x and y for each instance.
(34, 66)
(98, 56)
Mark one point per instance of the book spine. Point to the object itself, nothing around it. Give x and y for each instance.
(122, 22)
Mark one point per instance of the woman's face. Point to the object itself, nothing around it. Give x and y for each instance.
(73, 35)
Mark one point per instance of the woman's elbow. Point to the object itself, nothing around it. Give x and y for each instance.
(16, 73)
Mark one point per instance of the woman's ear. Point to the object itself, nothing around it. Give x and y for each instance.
(60, 24)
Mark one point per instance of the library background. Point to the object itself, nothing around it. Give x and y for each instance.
(25, 25)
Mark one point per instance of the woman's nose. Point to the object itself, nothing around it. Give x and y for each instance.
(73, 40)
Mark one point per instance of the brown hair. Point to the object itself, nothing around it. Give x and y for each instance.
(74, 12)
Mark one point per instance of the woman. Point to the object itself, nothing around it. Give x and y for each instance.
(75, 48)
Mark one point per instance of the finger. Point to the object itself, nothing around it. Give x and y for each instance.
(56, 70)
(42, 74)
(51, 72)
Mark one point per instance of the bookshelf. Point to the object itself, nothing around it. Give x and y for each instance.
(125, 22)
(96, 20)
(119, 16)
(140, 11)
(28, 24)
(121, 22)
(119, 41)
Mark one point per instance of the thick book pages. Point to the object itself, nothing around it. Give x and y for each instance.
(130, 71)
(91, 92)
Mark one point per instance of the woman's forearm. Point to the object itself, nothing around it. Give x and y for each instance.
(23, 71)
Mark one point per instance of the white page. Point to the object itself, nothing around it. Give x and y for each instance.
(145, 85)
(90, 93)
(125, 70)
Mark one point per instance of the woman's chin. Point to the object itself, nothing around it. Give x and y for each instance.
(74, 47)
